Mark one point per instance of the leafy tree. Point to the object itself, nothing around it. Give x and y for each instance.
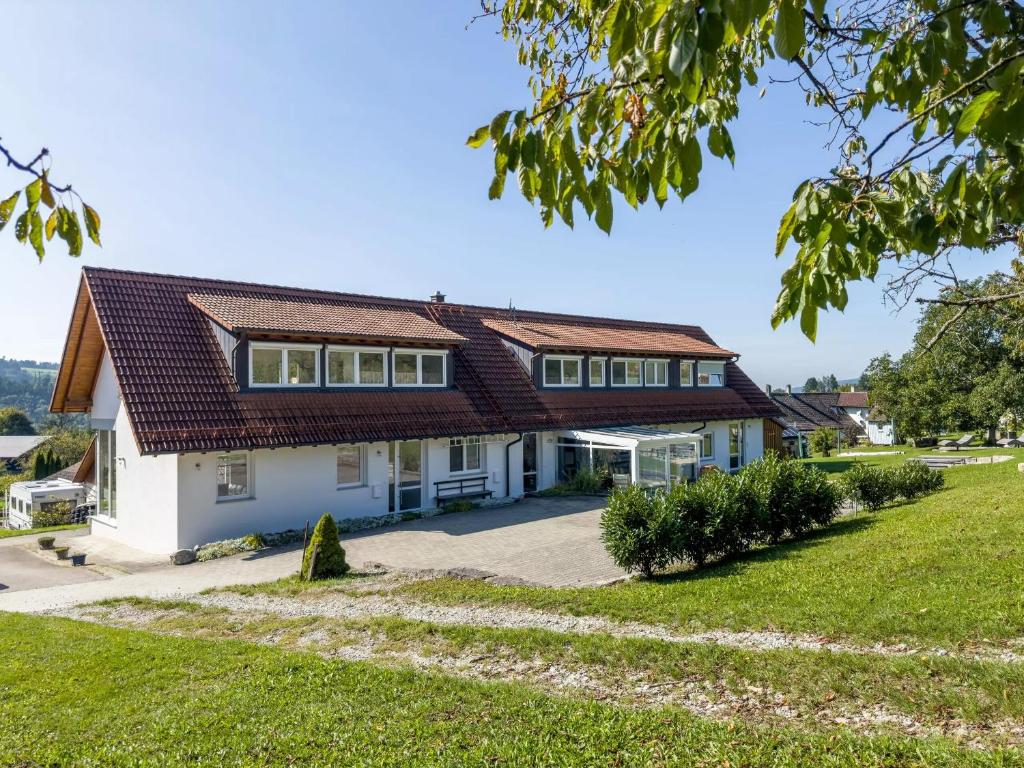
(822, 441)
(812, 385)
(14, 422)
(966, 369)
(63, 203)
(922, 101)
(829, 383)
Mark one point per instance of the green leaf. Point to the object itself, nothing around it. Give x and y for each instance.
(786, 227)
(35, 234)
(32, 194)
(684, 44)
(497, 128)
(602, 198)
(7, 208)
(972, 114)
(809, 320)
(21, 227)
(46, 194)
(479, 136)
(51, 223)
(789, 29)
(92, 223)
(497, 187)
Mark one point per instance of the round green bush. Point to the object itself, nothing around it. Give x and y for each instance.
(709, 518)
(867, 486)
(330, 557)
(638, 530)
(914, 479)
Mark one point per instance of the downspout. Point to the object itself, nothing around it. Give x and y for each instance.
(508, 477)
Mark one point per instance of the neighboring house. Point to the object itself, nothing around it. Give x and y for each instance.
(808, 412)
(225, 408)
(15, 448)
(878, 429)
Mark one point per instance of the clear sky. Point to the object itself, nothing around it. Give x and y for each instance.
(322, 145)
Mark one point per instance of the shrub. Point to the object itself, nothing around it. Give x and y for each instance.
(57, 513)
(330, 557)
(586, 481)
(253, 541)
(913, 479)
(782, 498)
(709, 518)
(459, 505)
(45, 542)
(867, 486)
(817, 498)
(822, 441)
(638, 530)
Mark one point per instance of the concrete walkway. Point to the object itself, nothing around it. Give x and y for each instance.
(555, 542)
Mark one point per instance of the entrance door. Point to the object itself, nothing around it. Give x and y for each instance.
(405, 473)
(530, 462)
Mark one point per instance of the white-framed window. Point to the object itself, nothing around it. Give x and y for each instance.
(464, 455)
(106, 473)
(357, 367)
(351, 466)
(597, 371)
(234, 476)
(419, 368)
(685, 373)
(655, 373)
(735, 446)
(284, 365)
(627, 372)
(707, 446)
(562, 371)
(710, 374)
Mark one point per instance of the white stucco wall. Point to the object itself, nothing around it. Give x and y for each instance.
(106, 397)
(147, 496)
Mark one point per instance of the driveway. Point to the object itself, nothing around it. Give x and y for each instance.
(22, 570)
(549, 541)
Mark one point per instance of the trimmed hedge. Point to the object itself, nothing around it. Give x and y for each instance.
(721, 515)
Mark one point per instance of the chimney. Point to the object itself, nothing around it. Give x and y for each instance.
(768, 389)
(789, 389)
(437, 298)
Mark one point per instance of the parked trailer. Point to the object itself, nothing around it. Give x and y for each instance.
(28, 497)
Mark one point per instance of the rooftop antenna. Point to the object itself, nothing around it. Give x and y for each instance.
(511, 311)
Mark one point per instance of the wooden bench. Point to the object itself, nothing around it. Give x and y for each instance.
(461, 488)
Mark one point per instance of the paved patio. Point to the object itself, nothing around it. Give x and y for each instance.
(551, 541)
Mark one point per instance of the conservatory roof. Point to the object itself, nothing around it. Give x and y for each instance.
(634, 437)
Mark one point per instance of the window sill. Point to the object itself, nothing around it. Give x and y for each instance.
(233, 499)
(109, 522)
(350, 487)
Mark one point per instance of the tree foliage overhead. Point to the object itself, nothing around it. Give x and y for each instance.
(40, 195)
(971, 377)
(922, 101)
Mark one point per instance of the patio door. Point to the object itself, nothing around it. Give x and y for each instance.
(529, 462)
(405, 476)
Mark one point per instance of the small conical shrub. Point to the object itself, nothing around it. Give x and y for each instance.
(330, 557)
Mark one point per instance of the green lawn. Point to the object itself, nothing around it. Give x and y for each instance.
(947, 570)
(6, 533)
(81, 694)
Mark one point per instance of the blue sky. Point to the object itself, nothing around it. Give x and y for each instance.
(322, 145)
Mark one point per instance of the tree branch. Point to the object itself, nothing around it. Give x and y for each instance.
(30, 167)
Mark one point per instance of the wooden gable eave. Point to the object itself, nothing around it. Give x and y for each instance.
(83, 355)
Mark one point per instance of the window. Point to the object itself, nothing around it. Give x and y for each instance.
(685, 373)
(106, 473)
(656, 373)
(626, 373)
(710, 374)
(561, 371)
(420, 369)
(278, 365)
(464, 454)
(233, 477)
(350, 466)
(356, 367)
(597, 371)
(707, 445)
(735, 446)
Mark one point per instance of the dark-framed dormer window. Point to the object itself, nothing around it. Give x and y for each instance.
(627, 372)
(274, 364)
(562, 370)
(419, 368)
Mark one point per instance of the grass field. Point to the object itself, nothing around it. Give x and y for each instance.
(946, 570)
(132, 698)
(6, 533)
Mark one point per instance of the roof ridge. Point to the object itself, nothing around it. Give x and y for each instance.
(189, 281)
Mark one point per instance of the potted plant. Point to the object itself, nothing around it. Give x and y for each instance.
(46, 542)
(62, 552)
(78, 558)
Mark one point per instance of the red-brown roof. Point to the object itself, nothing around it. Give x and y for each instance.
(306, 316)
(607, 336)
(853, 399)
(180, 395)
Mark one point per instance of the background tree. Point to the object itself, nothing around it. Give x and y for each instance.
(966, 370)
(829, 383)
(922, 102)
(41, 194)
(812, 385)
(15, 422)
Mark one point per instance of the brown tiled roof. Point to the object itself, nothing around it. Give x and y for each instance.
(607, 336)
(180, 395)
(320, 318)
(811, 410)
(853, 399)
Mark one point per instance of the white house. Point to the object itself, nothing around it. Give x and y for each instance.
(856, 405)
(225, 408)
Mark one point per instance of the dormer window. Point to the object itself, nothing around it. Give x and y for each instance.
(711, 374)
(627, 373)
(284, 365)
(656, 373)
(416, 368)
(356, 367)
(560, 371)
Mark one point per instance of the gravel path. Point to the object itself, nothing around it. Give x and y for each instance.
(340, 605)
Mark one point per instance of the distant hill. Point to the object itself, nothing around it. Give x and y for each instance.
(27, 384)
